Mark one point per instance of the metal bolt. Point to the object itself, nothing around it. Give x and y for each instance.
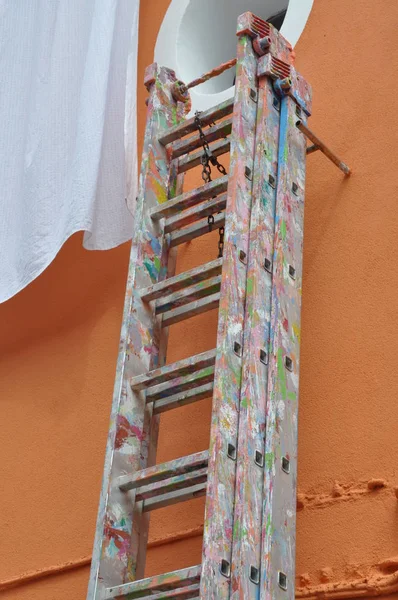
(276, 104)
(254, 575)
(285, 464)
(271, 181)
(264, 43)
(237, 349)
(231, 451)
(292, 272)
(248, 173)
(267, 265)
(282, 580)
(288, 363)
(264, 357)
(259, 458)
(225, 568)
(253, 95)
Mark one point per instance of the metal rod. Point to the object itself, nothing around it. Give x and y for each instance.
(321, 146)
(311, 149)
(213, 73)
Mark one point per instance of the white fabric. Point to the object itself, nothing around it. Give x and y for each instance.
(64, 67)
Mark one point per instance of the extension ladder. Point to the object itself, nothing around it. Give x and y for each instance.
(249, 472)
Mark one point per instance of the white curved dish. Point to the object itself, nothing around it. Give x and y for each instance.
(197, 35)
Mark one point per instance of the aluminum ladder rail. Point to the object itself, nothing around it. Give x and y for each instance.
(249, 472)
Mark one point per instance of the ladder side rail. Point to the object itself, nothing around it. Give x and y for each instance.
(114, 561)
(250, 462)
(279, 503)
(218, 522)
(150, 432)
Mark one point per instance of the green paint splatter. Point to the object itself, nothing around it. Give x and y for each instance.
(285, 153)
(173, 188)
(156, 262)
(236, 529)
(281, 374)
(249, 285)
(153, 273)
(269, 525)
(283, 230)
(269, 460)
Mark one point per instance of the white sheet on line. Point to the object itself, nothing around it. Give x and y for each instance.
(65, 66)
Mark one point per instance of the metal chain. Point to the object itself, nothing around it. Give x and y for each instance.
(221, 242)
(207, 160)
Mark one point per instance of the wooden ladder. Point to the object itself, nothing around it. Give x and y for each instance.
(248, 475)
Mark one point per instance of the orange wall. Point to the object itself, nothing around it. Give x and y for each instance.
(59, 340)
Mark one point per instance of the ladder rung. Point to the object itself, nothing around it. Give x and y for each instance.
(194, 160)
(179, 282)
(178, 466)
(180, 384)
(196, 213)
(181, 313)
(172, 484)
(196, 196)
(175, 580)
(206, 117)
(194, 231)
(184, 398)
(190, 294)
(178, 369)
(185, 593)
(214, 133)
(174, 497)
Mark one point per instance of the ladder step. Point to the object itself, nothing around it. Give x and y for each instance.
(214, 205)
(196, 196)
(181, 368)
(174, 497)
(188, 397)
(180, 384)
(179, 282)
(172, 484)
(174, 581)
(190, 161)
(172, 468)
(194, 231)
(214, 133)
(189, 294)
(191, 591)
(181, 313)
(206, 118)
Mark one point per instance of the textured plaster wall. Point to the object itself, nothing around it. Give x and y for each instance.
(59, 341)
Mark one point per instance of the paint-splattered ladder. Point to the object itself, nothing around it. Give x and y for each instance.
(249, 472)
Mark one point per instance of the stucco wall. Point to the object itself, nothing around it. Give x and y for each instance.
(59, 340)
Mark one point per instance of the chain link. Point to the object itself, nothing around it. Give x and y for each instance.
(221, 242)
(207, 160)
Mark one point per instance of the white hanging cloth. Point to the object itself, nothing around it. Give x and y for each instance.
(65, 67)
